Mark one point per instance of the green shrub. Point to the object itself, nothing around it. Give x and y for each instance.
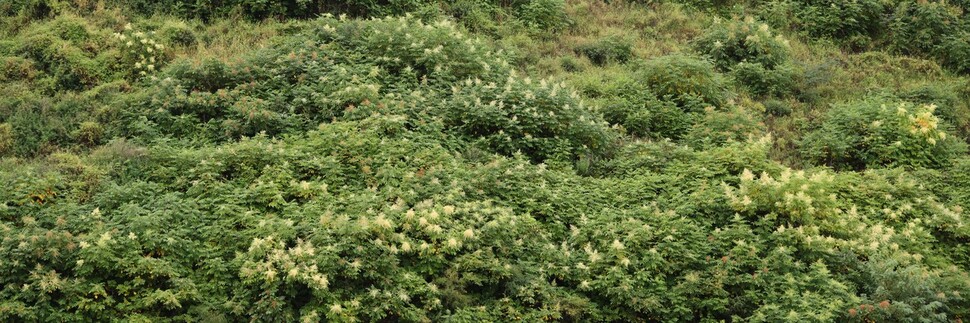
(395, 170)
(547, 15)
(720, 127)
(68, 66)
(951, 107)
(918, 28)
(868, 256)
(6, 138)
(954, 52)
(571, 64)
(876, 133)
(643, 115)
(691, 83)
(736, 41)
(393, 63)
(778, 82)
(141, 52)
(206, 75)
(17, 69)
(177, 34)
(903, 291)
(542, 120)
(609, 49)
(777, 108)
(66, 53)
(855, 22)
(89, 133)
(366, 67)
(445, 55)
(948, 103)
(476, 15)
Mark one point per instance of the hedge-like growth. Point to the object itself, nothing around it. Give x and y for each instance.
(692, 83)
(737, 41)
(877, 133)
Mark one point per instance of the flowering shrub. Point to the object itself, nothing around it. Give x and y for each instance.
(736, 41)
(828, 226)
(874, 133)
(541, 120)
(396, 170)
(358, 220)
(376, 66)
(314, 77)
(140, 50)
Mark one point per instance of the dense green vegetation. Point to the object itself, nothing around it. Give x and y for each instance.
(418, 160)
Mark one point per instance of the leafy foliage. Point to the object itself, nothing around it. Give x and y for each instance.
(736, 41)
(874, 133)
(691, 83)
(855, 22)
(607, 50)
(778, 82)
(476, 161)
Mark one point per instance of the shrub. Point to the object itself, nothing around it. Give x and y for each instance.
(442, 53)
(394, 170)
(691, 83)
(609, 49)
(918, 28)
(944, 97)
(720, 127)
(141, 51)
(736, 41)
(68, 66)
(547, 15)
(571, 64)
(875, 133)
(778, 82)
(331, 69)
(6, 138)
(777, 108)
(951, 108)
(542, 120)
(954, 52)
(89, 133)
(375, 66)
(643, 115)
(177, 34)
(476, 15)
(855, 22)
(16, 69)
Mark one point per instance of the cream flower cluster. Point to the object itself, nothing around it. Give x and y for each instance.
(273, 261)
(924, 123)
(141, 49)
(793, 192)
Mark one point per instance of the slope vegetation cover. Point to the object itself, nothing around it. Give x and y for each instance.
(580, 160)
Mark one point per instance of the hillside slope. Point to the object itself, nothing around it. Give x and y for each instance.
(580, 160)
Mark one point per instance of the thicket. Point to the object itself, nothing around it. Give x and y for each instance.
(935, 29)
(880, 133)
(415, 169)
